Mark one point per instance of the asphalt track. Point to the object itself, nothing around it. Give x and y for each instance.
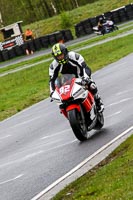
(38, 147)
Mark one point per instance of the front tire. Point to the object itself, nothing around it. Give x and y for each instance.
(77, 123)
(100, 121)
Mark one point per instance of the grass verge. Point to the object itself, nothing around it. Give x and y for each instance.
(112, 179)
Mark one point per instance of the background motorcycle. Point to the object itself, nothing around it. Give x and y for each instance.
(107, 27)
(78, 106)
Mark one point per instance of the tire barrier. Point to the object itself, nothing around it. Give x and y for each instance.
(79, 30)
(44, 41)
(30, 46)
(119, 15)
(87, 26)
(129, 11)
(59, 36)
(5, 55)
(52, 39)
(1, 59)
(108, 15)
(37, 44)
(67, 35)
(18, 51)
(11, 53)
(115, 16)
(122, 14)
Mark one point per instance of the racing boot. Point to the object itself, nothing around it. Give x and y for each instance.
(99, 103)
(93, 88)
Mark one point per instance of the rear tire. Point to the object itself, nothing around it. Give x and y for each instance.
(77, 123)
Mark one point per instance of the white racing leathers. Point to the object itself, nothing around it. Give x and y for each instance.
(75, 65)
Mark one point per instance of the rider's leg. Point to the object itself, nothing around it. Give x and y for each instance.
(98, 100)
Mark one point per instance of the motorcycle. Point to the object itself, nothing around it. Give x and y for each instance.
(107, 27)
(77, 104)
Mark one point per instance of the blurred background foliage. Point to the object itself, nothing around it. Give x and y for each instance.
(48, 16)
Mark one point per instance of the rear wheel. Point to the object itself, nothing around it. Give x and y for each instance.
(78, 125)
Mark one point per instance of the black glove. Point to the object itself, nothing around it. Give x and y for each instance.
(85, 81)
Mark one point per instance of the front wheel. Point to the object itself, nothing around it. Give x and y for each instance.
(77, 123)
(100, 121)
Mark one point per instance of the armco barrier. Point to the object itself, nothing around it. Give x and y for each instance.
(119, 15)
(36, 44)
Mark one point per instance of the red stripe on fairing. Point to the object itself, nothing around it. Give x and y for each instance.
(87, 103)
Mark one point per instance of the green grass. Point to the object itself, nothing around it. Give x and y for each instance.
(24, 63)
(24, 88)
(112, 179)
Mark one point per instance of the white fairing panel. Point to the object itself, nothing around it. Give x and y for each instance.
(56, 97)
(78, 91)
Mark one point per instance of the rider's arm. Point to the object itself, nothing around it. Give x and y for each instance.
(53, 74)
(77, 59)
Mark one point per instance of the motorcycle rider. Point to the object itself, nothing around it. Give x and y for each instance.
(70, 62)
(100, 25)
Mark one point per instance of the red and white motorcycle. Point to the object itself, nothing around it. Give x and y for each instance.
(78, 106)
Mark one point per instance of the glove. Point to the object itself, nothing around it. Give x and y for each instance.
(85, 81)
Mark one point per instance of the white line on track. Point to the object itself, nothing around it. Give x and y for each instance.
(25, 158)
(25, 122)
(123, 92)
(121, 101)
(81, 164)
(32, 155)
(49, 136)
(13, 179)
(4, 137)
(116, 113)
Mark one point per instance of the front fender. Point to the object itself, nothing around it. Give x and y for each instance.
(73, 106)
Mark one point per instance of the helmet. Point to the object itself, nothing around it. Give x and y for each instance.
(60, 53)
(101, 19)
